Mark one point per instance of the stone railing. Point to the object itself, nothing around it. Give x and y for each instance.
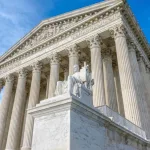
(115, 117)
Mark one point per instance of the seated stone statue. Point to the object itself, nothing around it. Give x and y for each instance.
(74, 82)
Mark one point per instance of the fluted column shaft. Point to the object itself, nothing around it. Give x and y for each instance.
(54, 74)
(147, 86)
(5, 105)
(145, 102)
(110, 92)
(33, 100)
(148, 78)
(142, 69)
(139, 83)
(47, 86)
(97, 72)
(66, 74)
(8, 118)
(129, 92)
(15, 128)
(148, 73)
(73, 53)
(118, 91)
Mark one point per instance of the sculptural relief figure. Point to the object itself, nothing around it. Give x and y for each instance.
(80, 78)
(50, 32)
(45, 33)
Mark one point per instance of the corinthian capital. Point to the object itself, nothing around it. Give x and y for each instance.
(37, 66)
(22, 73)
(73, 50)
(9, 78)
(107, 54)
(94, 41)
(1, 83)
(55, 58)
(118, 31)
(131, 45)
(140, 57)
(147, 69)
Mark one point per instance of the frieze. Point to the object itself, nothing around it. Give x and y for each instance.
(7, 68)
(49, 31)
(97, 25)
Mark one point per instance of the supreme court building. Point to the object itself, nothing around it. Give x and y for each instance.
(113, 115)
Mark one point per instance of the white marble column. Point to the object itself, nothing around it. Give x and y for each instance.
(73, 53)
(128, 86)
(148, 72)
(25, 110)
(33, 100)
(110, 93)
(143, 72)
(97, 71)
(47, 84)
(139, 83)
(54, 74)
(66, 74)
(148, 78)
(145, 100)
(6, 100)
(118, 91)
(1, 87)
(148, 86)
(15, 128)
(8, 118)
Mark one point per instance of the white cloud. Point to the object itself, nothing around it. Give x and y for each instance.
(18, 17)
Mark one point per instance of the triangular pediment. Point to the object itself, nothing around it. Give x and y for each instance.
(53, 26)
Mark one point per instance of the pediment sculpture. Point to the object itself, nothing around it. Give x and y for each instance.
(48, 31)
(74, 84)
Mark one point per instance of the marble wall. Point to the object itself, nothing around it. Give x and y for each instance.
(52, 132)
(86, 134)
(71, 130)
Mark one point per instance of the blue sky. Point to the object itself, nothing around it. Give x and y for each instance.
(18, 17)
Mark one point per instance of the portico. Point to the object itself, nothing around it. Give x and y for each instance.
(98, 36)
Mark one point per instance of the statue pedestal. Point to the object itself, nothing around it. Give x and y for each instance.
(69, 123)
(62, 123)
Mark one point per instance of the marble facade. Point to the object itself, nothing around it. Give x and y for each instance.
(107, 37)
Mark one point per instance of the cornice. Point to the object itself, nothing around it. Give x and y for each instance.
(62, 17)
(131, 20)
(80, 11)
(136, 42)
